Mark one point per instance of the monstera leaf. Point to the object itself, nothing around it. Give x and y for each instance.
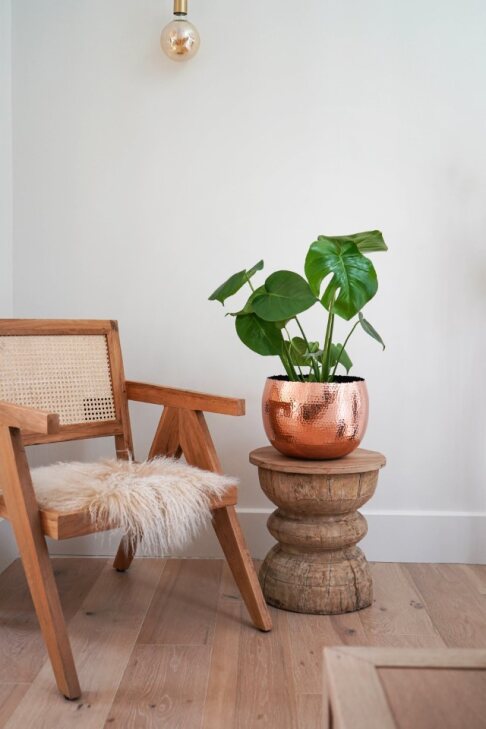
(369, 242)
(248, 307)
(353, 277)
(234, 283)
(338, 354)
(286, 295)
(263, 337)
(301, 354)
(370, 330)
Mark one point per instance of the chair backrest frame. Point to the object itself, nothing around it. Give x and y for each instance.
(119, 427)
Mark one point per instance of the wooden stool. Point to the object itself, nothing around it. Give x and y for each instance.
(316, 566)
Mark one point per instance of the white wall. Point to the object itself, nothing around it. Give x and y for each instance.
(7, 550)
(140, 184)
(6, 296)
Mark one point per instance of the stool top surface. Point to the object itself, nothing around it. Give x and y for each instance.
(359, 461)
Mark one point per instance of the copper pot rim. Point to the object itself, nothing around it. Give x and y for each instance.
(339, 381)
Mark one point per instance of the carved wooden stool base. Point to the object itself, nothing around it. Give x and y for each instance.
(337, 582)
(316, 566)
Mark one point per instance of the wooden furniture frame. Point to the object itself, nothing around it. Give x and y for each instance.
(182, 430)
(353, 693)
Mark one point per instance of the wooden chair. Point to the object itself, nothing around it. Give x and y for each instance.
(63, 380)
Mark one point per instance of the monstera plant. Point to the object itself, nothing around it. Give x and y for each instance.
(339, 278)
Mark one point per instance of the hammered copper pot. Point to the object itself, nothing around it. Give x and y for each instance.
(315, 420)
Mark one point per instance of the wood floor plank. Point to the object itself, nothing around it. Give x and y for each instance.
(189, 657)
(455, 607)
(222, 691)
(397, 618)
(309, 635)
(398, 609)
(164, 687)
(103, 633)
(266, 689)
(228, 589)
(475, 574)
(10, 696)
(309, 711)
(22, 650)
(184, 608)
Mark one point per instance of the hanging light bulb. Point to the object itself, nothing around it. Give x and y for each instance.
(180, 40)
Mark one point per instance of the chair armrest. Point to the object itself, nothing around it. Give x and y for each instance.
(36, 421)
(171, 397)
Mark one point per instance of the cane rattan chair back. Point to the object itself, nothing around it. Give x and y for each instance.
(71, 368)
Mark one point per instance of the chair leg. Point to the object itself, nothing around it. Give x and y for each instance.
(45, 596)
(228, 531)
(125, 554)
(198, 448)
(23, 514)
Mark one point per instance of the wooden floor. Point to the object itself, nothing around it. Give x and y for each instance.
(168, 644)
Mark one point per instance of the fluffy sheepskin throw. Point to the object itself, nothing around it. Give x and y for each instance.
(162, 501)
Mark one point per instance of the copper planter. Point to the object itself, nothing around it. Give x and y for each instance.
(315, 420)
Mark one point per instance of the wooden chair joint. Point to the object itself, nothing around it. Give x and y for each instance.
(30, 420)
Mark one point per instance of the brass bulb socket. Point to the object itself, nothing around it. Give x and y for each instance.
(180, 7)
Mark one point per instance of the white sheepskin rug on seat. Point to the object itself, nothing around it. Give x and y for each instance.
(163, 501)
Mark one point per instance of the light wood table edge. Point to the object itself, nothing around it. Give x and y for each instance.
(354, 691)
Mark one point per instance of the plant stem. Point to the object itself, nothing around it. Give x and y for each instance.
(313, 366)
(291, 374)
(302, 331)
(248, 281)
(326, 350)
(292, 345)
(343, 348)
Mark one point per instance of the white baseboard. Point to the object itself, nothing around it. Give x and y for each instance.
(393, 536)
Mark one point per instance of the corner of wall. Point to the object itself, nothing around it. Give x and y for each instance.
(8, 551)
(6, 179)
